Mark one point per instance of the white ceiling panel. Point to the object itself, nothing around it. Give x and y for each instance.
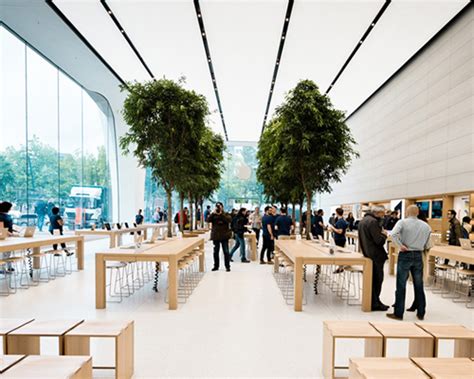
(403, 29)
(167, 35)
(321, 36)
(93, 22)
(244, 37)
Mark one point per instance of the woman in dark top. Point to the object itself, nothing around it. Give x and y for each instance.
(350, 224)
(339, 229)
(7, 220)
(239, 223)
(56, 223)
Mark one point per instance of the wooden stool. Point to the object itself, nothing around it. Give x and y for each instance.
(421, 344)
(448, 368)
(26, 340)
(8, 325)
(7, 361)
(77, 342)
(51, 367)
(375, 368)
(333, 330)
(462, 336)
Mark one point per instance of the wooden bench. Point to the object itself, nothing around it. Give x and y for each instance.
(384, 368)
(7, 361)
(447, 368)
(8, 325)
(51, 367)
(77, 342)
(333, 330)
(421, 343)
(462, 336)
(26, 339)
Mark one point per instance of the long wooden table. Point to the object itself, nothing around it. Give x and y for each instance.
(153, 226)
(113, 234)
(302, 252)
(37, 242)
(171, 251)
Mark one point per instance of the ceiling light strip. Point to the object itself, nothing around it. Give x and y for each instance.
(125, 35)
(278, 59)
(199, 16)
(71, 26)
(359, 44)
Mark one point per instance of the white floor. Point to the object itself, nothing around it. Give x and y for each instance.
(234, 325)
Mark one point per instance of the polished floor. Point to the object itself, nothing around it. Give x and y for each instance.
(234, 325)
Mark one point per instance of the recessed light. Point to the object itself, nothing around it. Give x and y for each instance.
(287, 19)
(110, 12)
(123, 31)
(283, 37)
(203, 34)
(360, 41)
(199, 14)
(373, 24)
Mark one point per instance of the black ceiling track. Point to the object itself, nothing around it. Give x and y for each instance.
(278, 59)
(71, 26)
(359, 44)
(199, 16)
(125, 35)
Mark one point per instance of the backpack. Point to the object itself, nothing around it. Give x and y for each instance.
(176, 218)
(464, 232)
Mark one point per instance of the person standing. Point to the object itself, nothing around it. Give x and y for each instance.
(318, 227)
(413, 237)
(339, 233)
(283, 224)
(220, 235)
(207, 213)
(139, 217)
(455, 229)
(239, 223)
(268, 232)
(7, 221)
(372, 239)
(256, 222)
(332, 219)
(350, 224)
(391, 221)
(56, 223)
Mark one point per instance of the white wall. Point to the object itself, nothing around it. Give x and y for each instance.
(416, 135)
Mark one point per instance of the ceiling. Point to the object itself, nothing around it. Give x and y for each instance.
(243, 38)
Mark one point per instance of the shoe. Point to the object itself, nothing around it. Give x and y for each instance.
(262, 262)
(227, 269)
(11, 269)
(215, 269)
(231, 260)
(393, 316)
(245, 261)
(270, 262)
(385, 306)
(411, 309)
(379, 307)
(338, 271)
(420, 317)
(68, 253)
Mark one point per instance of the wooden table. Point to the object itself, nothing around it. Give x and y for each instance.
(171, 251)
(26, 339)
(113, 234)
(421, 343)
(51, 367)
(462, 336)
(447, 368)
(160, 226)
(302, 252)
(7, 361)
(380, 368)
(37, 242)
(77, 342)
(8, 325)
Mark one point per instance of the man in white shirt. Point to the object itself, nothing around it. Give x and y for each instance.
(412, 236)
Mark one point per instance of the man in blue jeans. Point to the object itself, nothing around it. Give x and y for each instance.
(413, 237)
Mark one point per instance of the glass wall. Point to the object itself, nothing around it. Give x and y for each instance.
(56, 141)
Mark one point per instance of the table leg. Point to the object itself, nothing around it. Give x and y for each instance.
(113, 241)
(298, 284)
(124, 360)
(145, 234)
(36, 260)
(421, 347)
(99, 282)
(253, 246)
(429, 268)
(367, 286)
(276, 262)
(76, 345)
(373, 347)
(463, 348)
(84, 372)
(202, 258)
(328, 354)
(29, 345)
(173, 283)
(80, 253)
(391, 259)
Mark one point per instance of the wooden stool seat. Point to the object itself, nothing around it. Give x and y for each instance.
(77, 342)
(462, 336)
(447, 368)
(421, 343)
(379, 368)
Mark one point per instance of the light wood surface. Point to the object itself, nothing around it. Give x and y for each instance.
(462, 336)
(447, 368)
(421, 343)
(7, 361)
(384, 368)
(77, 342)
(113, 234)
(303, 252)
(8, 325)
(170, 251)
(252, 241)
(51, 367)
(35, 243)
(333, 330)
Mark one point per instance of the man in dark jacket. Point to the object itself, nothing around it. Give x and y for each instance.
(372, 239)
(220, 234)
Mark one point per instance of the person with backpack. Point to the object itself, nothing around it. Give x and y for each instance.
(239, 223)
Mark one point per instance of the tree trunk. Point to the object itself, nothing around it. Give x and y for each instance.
(309, 197)
(181, 212)
(202, 212)
(293, 217)
(191, 215)
(301, 217)
(170, 214)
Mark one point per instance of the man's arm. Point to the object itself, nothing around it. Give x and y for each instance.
(397, 237)
(270, 231)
